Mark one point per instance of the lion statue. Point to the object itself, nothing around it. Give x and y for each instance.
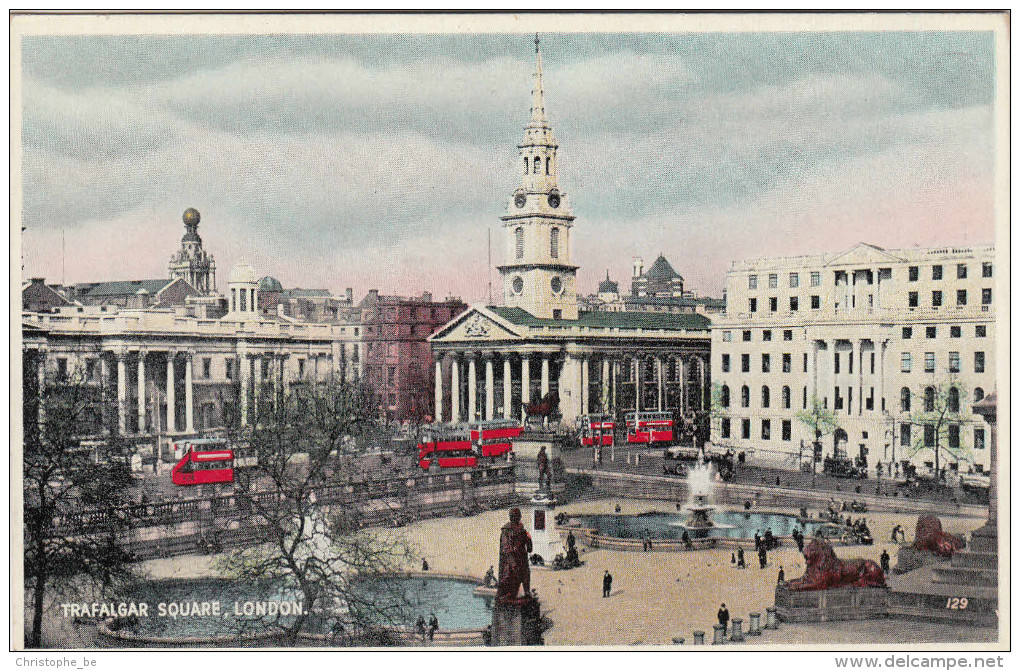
(929, 537)
(827, 571)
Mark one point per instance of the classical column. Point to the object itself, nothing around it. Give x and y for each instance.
(439, 389)
(881, 375)
(141, 391)
(490, 395)
(860, 377)
(605, 384)
(472, 388)
(41, 391)
(507, 386)
(706, 398)
(189, 395)
(637, 383)
(121, 391)
(658, 371)
(545, 375)
(454, 389)
(585, 384)
(256, 364)
(525, 384)
(171, 400)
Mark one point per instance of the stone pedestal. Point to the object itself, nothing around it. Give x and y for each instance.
(699, 638)
(718, 634)
(771, 621)
(831, 605)
(518, 623)
(737, 630)
(545, 537)
(526, 448)
(754, 624)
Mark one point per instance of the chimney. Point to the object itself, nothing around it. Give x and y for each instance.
(38, 281)
(426, 297)
(350, 295)
(639, 266)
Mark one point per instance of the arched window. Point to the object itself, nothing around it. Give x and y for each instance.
(233, 299)
(538, 165)
(244, 301)
(979, 394)
(527, 165)
(724, 396)
(905, 399)
(954, 399)
(786, 397)
(548, 164)
(519, 242)
(554, 243)
(929, 399)
(745, 397)
(764, 396)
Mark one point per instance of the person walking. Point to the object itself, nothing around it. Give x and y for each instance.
(607, 584)
(724, 617)
(757, 540)
(884, 561)
(762, 557)
(424, 564)
(433, 626)
(646, 541)
(782, 576)
(420, 627)
(740, 558)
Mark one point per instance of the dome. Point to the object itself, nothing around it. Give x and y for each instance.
(607, 286)
(271, 284)
(242, 274)
(191, 216)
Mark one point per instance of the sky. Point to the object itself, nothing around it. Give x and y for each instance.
(385, 161)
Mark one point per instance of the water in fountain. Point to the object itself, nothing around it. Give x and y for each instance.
(699, 493)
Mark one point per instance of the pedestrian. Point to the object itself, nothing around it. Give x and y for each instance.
(782, 576)
(757, 540)
(607, 584)
(424, 564)
(724, 617)
(895, 533)
(777, 481)
(762, 557)
(646, 541)
(420, 627)
(884, 560)
(433, 627)
(800, 542)
(733, 558)
(740, 558)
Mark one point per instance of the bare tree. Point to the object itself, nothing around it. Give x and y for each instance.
(71, 493)
(312, 545)
(822, 422)
(938, 411)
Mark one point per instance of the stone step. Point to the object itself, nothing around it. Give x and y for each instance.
(963, 576)
(984, 560)
(977, 605)
(959, 617)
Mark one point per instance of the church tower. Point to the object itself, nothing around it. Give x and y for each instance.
(191, 262)
(538, 275)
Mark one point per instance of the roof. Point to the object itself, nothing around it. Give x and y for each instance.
(608, 286)
(270, 283)
(308, 293)
(126, 287)
(626, 320)
(242, 273)
(661, 270)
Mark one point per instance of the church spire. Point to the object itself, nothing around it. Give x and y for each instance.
(537, 93)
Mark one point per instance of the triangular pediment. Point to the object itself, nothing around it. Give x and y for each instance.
(477, 324)
(863, 254)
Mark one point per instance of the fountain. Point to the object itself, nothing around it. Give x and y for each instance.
(699, 487)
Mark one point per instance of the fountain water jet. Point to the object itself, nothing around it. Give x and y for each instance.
(699, 487)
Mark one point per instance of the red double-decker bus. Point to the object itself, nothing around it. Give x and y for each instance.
(204, 467)
(464, 446)
(597, 430)
(494, 438)
(650, 427)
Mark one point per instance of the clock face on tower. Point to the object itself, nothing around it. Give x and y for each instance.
(554, 200)
(520, 200)
(518, 284)
(557, 285)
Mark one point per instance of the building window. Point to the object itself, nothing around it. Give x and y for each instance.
(979, 362)
(786, 397)
(907, 332)
(929, 362)
(753, 305)
(725, 427)
(766, 335)
(816, 302)
(724, 396)
(929, 399)
(554, 243)
(230, 369)
(773, 304)
(548, 165)
(930, 331)
(980, 331)
(929, 435)
(905, 435)
(519, 242)
(557, 314)
(835, 362)
(206, 368)
(727, 336)
(986, 269)
(766, 363)
(752, 282)
(953, 401)
(746, 336)
(905, 362)
(794, 280)
(986, 297)
(745, 397)
(745, 363)
(794, 303)
(936, 299)
(905, 399)
(766, 396)
(805, 362)
(979, 394)
(936, 272)
(816, 278)
(766, 429)
(912, 274)
(979, 439)
(787, 362)
(745, 429)
(961, 271)
(954, 362)
(773, 280)
(837, 403)
(391, 375)
(954, 332)
(912, 299)
(725, 363)
(787, 335)
(803, 399)
(961, 297)
(787, 430)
